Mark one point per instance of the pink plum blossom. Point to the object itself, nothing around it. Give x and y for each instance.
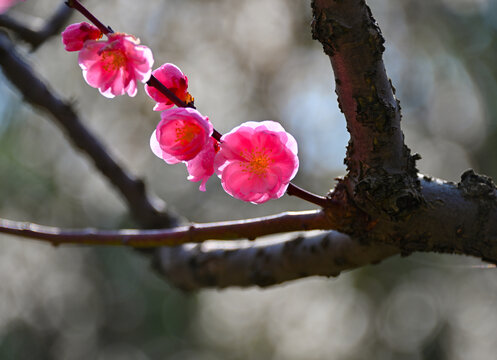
(75, 35)
(180, 135)
(6, 4)
(171, 77)
(257, 160)
(201, 167)
(115, 65)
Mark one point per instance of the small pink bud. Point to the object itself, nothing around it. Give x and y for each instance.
(180, 135)
(75, 35)
(171, 77)
(201, 167)
(114, 66)
(257, 160)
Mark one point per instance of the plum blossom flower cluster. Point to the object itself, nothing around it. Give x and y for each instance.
(113, 66)
(255, 161)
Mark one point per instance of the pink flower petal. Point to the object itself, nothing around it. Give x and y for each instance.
(257, 161)
(171, 77)
(182, 134)
(75, 35)
(116, 65)
(156, 149)
(201, 167)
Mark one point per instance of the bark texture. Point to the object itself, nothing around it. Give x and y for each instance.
(381, 171)
(382, 207)
(266, 262)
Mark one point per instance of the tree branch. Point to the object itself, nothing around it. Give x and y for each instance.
(382, 174)
(146, 210)
(36, 37)
(398, 211)
(266, 262)
(457, 218)
(37, 93)
(191, 233)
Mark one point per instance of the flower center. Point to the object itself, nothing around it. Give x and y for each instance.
(186, 133)
(258, 162)
(113, 59)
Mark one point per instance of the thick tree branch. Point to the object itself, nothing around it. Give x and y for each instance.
(266, 262)
(36, 92)
(456, 218)
(146, 210)
(191, 233)
(382, 173)
(36, 37)
(398, 211)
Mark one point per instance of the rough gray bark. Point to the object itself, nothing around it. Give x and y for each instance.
(382, 204)
(381, 174)
(455, 218)
(266, 262)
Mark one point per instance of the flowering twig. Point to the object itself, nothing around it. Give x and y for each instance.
(75, 4)
(292, 190)
(168, 93)
(146, 210)
(192, 233)
(455, 218)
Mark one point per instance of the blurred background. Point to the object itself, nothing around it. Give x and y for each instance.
(252, 61)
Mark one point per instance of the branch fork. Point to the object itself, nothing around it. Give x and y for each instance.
(383, 205)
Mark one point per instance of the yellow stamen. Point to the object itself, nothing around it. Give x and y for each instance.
(185, 134)
(258, 162)
(113, 59)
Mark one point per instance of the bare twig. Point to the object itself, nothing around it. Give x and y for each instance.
(36, 37)
(294, 190)
(192, 233)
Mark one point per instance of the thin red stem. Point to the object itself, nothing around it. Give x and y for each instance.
(75, 4)
(154, 82)
(217, 135)
(192, 233)
(292, 190)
